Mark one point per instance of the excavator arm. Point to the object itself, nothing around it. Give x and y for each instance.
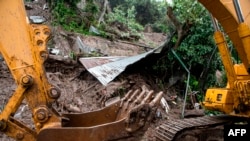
(224, 11)
(23, 46)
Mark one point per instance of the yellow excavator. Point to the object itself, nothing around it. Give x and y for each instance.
(233, 100)
(23, 46)
(234, 16)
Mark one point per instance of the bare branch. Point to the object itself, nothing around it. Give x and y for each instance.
(104, 10)
(182, 29)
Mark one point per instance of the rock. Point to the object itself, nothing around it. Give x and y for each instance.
(28, 7)
(81, 4)
(45, 6)
(72, 108)
(37, 19)
(94, 30)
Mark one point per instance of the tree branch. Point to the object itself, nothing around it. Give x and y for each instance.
(182, 29)
(101, 18)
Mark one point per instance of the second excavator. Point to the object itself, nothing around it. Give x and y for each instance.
(233, 100)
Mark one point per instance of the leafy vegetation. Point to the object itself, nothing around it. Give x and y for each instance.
(147, 12)
(127, 18)
(66, 14)
(197, 50)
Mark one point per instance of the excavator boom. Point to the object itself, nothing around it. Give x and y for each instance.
(224, 11)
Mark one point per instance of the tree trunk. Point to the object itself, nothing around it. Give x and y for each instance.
(182, 29)
(105, 7)
(204, 73)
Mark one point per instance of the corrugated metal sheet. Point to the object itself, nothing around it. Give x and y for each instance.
(97, 61)
(105, 69)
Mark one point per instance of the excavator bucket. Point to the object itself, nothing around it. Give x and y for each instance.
(118, 120)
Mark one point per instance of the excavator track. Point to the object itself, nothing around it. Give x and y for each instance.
(199, 129)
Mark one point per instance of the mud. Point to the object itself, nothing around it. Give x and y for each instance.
(80, 92)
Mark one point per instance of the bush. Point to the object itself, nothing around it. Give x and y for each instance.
(66, 14)
(128, 18)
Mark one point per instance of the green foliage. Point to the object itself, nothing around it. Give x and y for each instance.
(161, 24)
(117, 15)
(131, 22)
(189, 10)
(160, 27)
(147, 12)
(66, 14)
(127, 18)
(91, 7)
(195, 51)
(193, 83)
(162, 66)
(197, 48)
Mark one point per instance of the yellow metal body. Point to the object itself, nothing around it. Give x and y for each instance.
(235, 98)
(230, 100)
(219, 100)
(23, 47)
